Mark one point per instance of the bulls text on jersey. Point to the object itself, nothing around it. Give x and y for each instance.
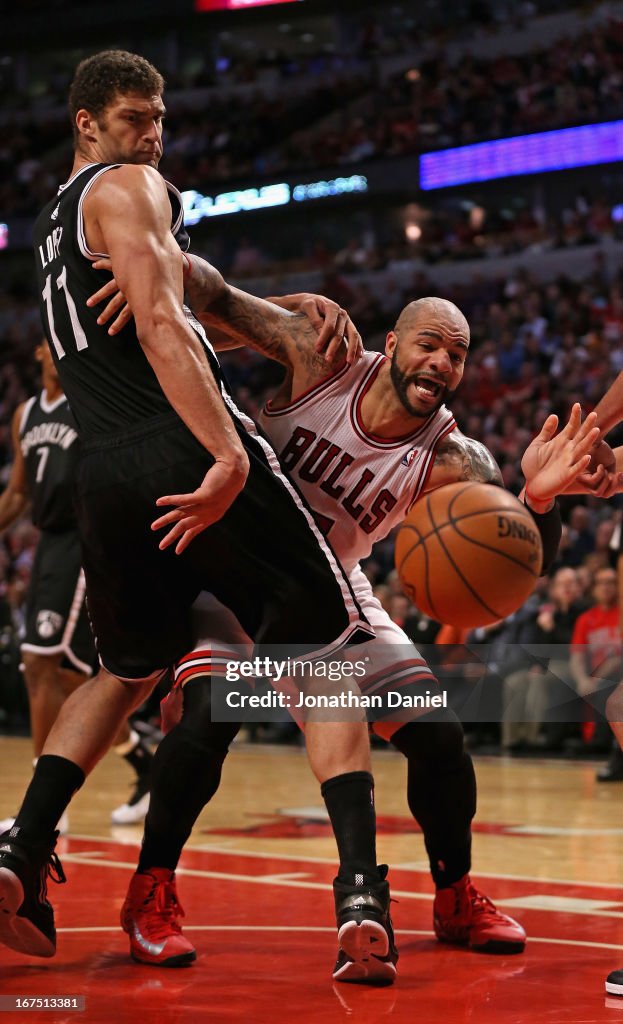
(324, 464)
(359, 485)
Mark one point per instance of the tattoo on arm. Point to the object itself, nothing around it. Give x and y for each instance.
(276, 333)
(470, 459)
(286, 337)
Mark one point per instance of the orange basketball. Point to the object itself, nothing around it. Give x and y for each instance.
(468, 554)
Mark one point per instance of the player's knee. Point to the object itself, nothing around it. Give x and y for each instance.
(40, 671)
(197, 717)
(437, 737)
(335, 748)
(125, 694)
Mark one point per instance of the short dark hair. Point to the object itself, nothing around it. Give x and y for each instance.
(100, 78)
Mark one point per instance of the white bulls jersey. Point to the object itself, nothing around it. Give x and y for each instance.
(359, 486)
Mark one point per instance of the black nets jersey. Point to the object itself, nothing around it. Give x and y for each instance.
(49, 443)
(107, 379)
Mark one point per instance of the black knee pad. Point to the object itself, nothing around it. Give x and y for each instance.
(435, 737)
(196, 721)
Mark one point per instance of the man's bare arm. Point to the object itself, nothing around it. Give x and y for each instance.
(127, 214)
(336, 337)
(286, 337)
(309, 337)
(337, 334)
(130, 209)
(14, 498)
(610, 409)
(462, 458)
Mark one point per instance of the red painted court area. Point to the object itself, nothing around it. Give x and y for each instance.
(265, 938)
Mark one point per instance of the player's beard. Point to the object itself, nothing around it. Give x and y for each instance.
(402, 381)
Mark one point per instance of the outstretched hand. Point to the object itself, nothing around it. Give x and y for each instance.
(193, 513)
(553, 461)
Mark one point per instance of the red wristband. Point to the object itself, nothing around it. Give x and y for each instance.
(537, 501)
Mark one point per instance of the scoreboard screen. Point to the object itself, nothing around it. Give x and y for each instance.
(236, 5)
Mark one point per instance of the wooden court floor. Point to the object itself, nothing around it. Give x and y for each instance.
(255, 884)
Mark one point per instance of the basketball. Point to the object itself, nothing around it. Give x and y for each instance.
(468, 554)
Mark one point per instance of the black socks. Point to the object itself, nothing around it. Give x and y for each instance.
(350, 802)
(53, 784)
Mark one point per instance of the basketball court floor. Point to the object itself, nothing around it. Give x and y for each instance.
(255, 885)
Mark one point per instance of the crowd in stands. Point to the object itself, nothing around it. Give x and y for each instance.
(344, 115)
(464, 231)
(441, 104)
(435, 104)
(208, 55)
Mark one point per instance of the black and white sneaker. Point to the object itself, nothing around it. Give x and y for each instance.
(614, 983)
(367, 954)
(612, 771)
(135, 810)
(26, 916)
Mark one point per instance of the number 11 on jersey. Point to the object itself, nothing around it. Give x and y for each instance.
(79, 335)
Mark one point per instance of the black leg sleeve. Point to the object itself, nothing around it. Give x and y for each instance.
(441, 792)
(350, 802)
(186, 773)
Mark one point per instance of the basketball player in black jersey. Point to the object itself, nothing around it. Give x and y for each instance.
(159, 430)
(58, 653)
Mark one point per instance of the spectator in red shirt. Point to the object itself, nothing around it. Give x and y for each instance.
(596, 640)
(596, 648)
(613, 770)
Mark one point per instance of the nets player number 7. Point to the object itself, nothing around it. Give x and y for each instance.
(43, 458)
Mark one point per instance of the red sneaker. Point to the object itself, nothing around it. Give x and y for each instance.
(464, 917)
(149, 916)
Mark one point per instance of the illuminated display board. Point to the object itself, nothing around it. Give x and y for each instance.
(236, 5)
(197, 206)
(523, 154)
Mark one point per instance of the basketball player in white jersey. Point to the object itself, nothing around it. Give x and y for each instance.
(363, 442)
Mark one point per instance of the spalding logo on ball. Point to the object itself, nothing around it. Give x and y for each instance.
(468, 554)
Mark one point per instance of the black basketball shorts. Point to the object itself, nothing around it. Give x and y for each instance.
(265, 559)
(56, 617)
